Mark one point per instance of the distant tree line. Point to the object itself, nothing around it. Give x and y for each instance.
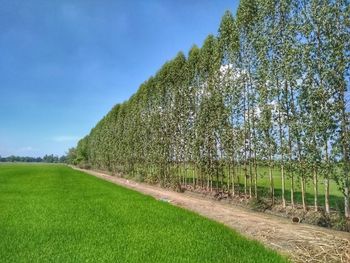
(26, 159)
(270, 90)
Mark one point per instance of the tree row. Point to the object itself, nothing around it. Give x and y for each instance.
(269, 91)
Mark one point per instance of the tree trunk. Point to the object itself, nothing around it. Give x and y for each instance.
(272, 188)
(303, 193)
(217, 178)
(282, 155)
(245, 140)
(233, 178)
(245, 179)
(315, 188)
(250, 166)
(292, 190)
(326, 194)
(345, 146)
(283, 186)
(208, 182)
(251, 181)
(255, 176)
(239, 168)
(194, 179)
(346, 202)
(326, 180)
(228, 176)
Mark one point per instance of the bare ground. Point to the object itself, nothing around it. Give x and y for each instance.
(300, 242)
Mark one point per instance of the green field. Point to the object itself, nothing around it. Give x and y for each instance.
(52, 213)
(336, 198)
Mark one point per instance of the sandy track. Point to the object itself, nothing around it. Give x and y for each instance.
(301, 242)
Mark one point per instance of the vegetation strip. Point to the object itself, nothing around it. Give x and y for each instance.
(303, 243)
(52, 213)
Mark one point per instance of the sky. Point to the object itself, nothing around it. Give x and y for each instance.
(65, 64)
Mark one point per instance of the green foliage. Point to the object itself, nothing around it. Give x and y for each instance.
(26, 159)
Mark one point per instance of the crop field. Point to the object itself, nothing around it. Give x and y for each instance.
(54, 213)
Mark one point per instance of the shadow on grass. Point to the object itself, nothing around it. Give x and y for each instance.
(335, 202)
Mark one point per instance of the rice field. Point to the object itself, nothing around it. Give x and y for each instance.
(52, 213)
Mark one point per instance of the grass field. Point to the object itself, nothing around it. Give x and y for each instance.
(52, 213)
(336, 197)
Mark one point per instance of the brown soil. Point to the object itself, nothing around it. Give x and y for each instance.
(300, 242)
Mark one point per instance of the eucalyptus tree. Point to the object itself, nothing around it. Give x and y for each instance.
(163, 122)
(316, 29)
(97, 144)
(210, 108)
(140, 130)
(122, 139)
(246, 18)
(72, 156)
(187, 104)
(264, 29)
(177, 84)
(266, 127)
(192, 101)
(153, 128)
(134, 140)
(286, 70)
(147, 129)
(277, 72)
(325, 35)
(282, 42)
(340, 57)
(228, 40)
(82, 152)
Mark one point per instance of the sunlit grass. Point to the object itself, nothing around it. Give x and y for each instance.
(52, 213)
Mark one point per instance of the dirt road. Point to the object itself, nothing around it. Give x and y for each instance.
(301, 242)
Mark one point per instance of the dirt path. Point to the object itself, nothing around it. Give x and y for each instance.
(301, 242)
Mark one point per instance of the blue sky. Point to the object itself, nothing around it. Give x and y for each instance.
(64, 64)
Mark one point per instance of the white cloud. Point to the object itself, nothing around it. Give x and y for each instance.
(65, 138)
(26, 149)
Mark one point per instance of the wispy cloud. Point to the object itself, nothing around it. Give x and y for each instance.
(26, 149)
(65, 138)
